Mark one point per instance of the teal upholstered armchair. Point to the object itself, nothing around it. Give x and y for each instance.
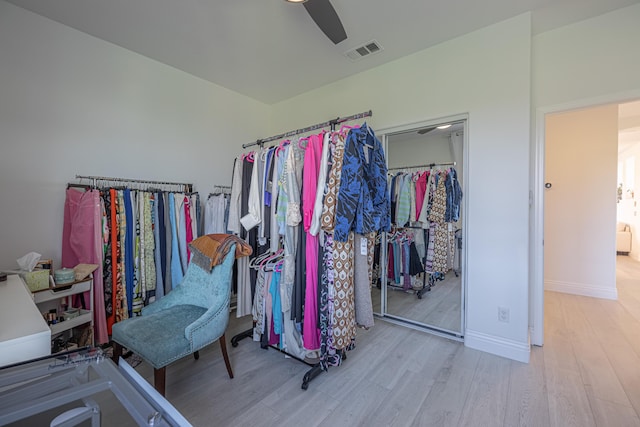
(190, 317)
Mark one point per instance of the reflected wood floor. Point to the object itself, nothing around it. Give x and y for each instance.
(587, 374)
(439, 307)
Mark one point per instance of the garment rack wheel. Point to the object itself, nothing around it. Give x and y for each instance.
(242, 335)
(310, 375)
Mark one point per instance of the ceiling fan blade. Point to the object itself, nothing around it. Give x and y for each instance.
(425, 130)
(326, 18)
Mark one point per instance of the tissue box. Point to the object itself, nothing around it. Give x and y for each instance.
(37, 280)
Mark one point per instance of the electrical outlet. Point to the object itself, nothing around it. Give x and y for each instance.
(503, 314)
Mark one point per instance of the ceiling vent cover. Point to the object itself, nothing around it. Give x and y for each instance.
(359, 52)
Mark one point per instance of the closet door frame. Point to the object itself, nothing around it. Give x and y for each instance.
(383, 135)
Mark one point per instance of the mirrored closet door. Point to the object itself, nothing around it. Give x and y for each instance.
(422, 262)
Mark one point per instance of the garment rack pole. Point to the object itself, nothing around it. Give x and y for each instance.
(430, 165)
(188, 187)
(310, 128)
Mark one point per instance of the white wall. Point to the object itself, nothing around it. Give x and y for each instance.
(72, 104)
(580, 207)
(589, 59)
(420, 150)
(487, 75)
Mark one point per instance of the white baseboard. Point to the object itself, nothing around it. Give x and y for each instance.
(499, 346)
(581, 289)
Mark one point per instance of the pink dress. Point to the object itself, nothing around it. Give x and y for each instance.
(312, 156)
(421, 187)
(82, 243)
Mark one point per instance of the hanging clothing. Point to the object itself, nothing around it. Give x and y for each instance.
(436, 216)
(214, 213)
(176, 265)
(333, 186)
(169, 227)
(107, 260)
(403, 206)
(311, 333)
(363, 200)
(363, 266)
(344, 320)
(421, 187)
(82, 243)
(233, 221)
(320, 187)
(122, 302)
(155, 214)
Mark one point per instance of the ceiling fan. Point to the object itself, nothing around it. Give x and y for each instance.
(430, 128)
(426, 130)
(325, 17)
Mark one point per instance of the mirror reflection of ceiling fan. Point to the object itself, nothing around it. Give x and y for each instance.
(325, 17)
(426, 130)
(430, 128)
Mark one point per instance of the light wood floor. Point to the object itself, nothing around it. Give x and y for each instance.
(587, 374)
(439, 307)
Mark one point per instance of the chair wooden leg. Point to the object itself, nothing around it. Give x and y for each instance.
(223, 346)
(117, 352)
(158, 379)
(196, 355)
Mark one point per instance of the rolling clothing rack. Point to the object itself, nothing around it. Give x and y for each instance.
(188, 188)
(316, 368)
(331, 123)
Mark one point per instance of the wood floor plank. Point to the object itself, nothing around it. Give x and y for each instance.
(568, 401)
(595, 368)
(619, 350)
(611, 414)
(365, 399)
(486, 402)
(527, 402)
(445, 401)
(402, 403)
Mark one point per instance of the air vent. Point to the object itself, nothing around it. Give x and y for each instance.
(359, 52)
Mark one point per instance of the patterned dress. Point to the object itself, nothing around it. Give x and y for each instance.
(436, 216)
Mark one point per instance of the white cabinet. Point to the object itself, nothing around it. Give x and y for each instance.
(24, 334)
(63, 296)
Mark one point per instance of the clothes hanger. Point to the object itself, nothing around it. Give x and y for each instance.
(269, 257)
(282, 145)
(303, 139)
(255, 261)
(271, 264)
(348, 127)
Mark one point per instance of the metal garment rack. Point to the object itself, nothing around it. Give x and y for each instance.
(188, 188)
(330, 123)
(430, 166)
(220, 189)
(316, 369)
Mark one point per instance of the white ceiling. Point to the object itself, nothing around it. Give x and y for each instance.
(271, 50)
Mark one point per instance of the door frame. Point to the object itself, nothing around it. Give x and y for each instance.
(536, 242)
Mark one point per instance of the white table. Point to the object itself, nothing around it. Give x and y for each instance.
(24, 335)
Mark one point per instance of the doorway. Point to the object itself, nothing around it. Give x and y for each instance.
(575, 201)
